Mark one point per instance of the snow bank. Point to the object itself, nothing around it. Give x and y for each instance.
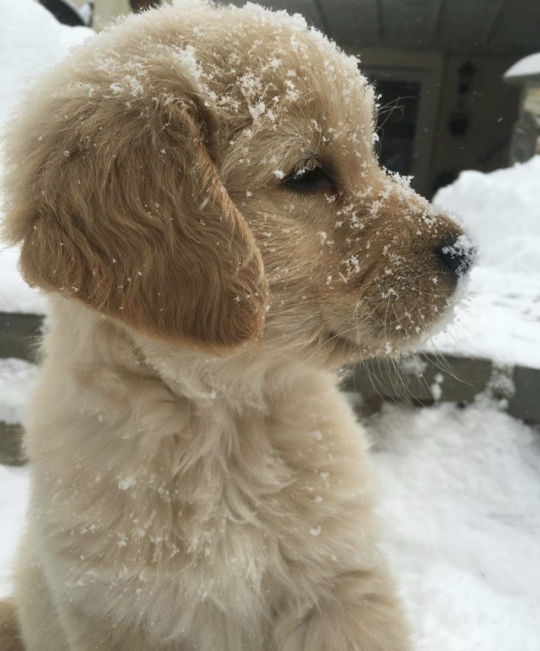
(31, 40)
(501, 319)
(503, 209)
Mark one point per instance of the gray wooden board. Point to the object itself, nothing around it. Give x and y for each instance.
(11, 452)
(426, 379)
(19, 335)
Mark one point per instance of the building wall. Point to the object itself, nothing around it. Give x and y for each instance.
(492, 108)
(428, 68)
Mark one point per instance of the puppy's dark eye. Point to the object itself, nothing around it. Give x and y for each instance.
(308, 179)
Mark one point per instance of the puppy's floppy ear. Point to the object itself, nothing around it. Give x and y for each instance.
(117, 202)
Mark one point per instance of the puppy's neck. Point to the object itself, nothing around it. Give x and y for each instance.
(250, 378)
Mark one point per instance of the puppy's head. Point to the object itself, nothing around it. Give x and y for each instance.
(192, 170)
(114, 193)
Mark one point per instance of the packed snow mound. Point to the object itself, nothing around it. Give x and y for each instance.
(31, 40)
(500, 320)
(503, 211)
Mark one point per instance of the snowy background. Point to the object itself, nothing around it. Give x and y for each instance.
(460, 487)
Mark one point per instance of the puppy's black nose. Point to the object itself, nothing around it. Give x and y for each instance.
(458, 255)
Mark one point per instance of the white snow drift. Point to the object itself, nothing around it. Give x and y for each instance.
(501, 318)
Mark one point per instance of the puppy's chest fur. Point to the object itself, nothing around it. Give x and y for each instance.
(169, 502)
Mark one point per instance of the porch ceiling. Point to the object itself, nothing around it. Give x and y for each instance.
(489, 27)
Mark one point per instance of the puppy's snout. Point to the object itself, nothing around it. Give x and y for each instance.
(457, 255)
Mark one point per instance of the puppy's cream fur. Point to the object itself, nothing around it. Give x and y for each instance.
(198, 481)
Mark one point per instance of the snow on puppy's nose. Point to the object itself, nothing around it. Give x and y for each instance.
(458, 256)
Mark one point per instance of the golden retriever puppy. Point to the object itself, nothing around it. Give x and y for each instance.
(197, 191)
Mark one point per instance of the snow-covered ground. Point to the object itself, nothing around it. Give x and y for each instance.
(14, 490)
(460, 489)
(461, 503)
